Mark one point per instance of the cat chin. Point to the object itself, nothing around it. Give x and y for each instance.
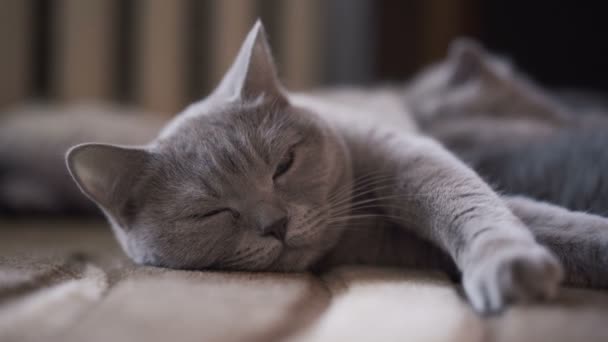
(296, 260)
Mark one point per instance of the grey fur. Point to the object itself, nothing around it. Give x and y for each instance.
(578, 239)
(496, 130)
(567, 168)
(198, 196)
(519, 137)
(471, 83)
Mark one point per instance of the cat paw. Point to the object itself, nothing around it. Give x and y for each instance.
(517, 273)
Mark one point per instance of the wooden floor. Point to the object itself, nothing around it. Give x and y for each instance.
(69, 281)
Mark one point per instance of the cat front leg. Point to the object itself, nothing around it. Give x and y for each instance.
(444, 201)
(578, 239)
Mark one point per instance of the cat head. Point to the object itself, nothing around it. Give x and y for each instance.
(237, 181)
(473, 82)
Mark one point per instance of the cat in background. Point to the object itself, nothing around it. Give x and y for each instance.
(517, 136)
(256, 178)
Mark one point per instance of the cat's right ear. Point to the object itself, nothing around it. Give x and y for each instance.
(107, 174)
(468, 61)
(253, 72)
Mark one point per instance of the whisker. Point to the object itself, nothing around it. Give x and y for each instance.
(368, 206)
(370, 200)
(368, 191)
(350, 217)
(358, 185)
(358, 190)
(240, 259)
(363, 181)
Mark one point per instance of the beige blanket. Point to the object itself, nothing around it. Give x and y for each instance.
(70, 282)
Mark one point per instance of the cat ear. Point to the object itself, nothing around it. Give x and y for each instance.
(468, 61)
(253, 72)
(106, 174)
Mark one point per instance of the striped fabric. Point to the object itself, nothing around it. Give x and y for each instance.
(161, 55)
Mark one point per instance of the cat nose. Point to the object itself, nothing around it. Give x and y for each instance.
(272, 221)
(276, 229)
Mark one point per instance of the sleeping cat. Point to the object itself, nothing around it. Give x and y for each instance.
(256, 178)
(472, 90)
(517, 136)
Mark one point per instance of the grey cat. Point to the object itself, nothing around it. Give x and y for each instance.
(255, 178)
(517, 136)
(474, 88)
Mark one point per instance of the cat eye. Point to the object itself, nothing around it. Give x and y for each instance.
(209, 213)
(284, 165)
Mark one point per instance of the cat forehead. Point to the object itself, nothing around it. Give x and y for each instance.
(236, 140)
(257, 126)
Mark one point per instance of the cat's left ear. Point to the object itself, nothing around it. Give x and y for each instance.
(253, 72)
(107, 174)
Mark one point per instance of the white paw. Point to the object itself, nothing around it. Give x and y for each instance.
(512, 273)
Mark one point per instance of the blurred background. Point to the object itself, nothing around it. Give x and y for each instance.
(161, 54)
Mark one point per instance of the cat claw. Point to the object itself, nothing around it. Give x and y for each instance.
(512, 274)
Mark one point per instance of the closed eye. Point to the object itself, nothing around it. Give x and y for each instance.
(208, 214)
(284, 165)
